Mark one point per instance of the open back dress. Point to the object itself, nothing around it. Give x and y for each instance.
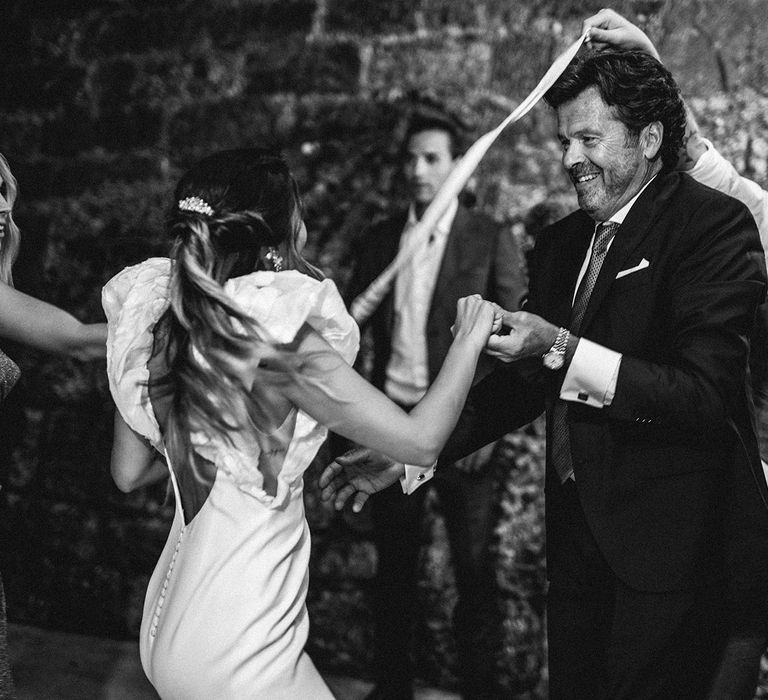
(225, 614)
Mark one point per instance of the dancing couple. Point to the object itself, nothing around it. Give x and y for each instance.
(230, 359)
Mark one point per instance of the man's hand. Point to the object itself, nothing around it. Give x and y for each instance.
(359, 472)
(529, 335)
(608, 29)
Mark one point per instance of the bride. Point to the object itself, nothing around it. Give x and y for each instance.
(227, 363)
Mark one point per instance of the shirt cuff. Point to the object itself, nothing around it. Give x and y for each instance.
(416, 476)
(592, 375)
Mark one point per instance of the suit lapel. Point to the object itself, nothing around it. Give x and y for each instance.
(396, 229)
(458, 240)
(569, 248)
(636, 227)
(395, 233)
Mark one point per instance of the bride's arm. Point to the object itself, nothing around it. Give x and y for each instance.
(135, 463)
(335, 395)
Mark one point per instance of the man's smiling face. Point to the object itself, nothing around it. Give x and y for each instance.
(605, 161)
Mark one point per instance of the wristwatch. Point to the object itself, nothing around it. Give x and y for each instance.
(554, 358)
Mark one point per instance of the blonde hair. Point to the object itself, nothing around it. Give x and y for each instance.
(9, 248)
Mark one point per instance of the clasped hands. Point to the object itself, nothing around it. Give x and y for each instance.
(528, 335)
(514, 334)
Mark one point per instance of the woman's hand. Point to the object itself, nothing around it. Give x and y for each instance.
(476, 319)
(609, 30)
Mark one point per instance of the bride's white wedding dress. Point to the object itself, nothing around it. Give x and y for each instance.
(225, 615)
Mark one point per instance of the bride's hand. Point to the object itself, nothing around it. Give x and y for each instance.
(498, 318)
(475, 318)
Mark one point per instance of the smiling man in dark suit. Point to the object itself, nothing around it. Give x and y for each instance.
(635, 342)
(468, 253)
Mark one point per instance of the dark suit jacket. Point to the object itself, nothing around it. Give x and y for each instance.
(661, 471)
(478, 259)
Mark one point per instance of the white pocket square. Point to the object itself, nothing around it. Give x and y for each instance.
(640, 266)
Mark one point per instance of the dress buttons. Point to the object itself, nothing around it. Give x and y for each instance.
(420, 477)
(161, 597)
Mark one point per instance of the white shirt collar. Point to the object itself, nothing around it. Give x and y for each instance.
(446, 220)
(620, 215)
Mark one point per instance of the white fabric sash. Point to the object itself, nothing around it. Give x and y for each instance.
(365, 304)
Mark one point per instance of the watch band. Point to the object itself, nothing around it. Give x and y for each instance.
(554, 358)
(561, 342)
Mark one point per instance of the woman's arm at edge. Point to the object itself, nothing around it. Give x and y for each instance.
(30, 321)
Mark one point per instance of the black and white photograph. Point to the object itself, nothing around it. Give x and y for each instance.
(384, 350)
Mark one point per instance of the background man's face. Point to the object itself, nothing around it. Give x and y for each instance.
(428, 162)
(604, 160)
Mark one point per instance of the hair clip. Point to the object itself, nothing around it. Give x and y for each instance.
(195, 204)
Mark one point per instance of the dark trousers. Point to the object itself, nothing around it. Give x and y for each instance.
(747, 610)
(6, 682)
(468, 503)
(610, 642)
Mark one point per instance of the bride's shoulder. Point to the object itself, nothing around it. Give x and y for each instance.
(283, 301)
(134, 300)
(136, 284)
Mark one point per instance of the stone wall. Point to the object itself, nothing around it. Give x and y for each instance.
(105, 102)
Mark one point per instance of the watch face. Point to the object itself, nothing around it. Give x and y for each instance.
(554, 360)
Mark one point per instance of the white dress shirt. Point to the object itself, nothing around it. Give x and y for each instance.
(407, 374)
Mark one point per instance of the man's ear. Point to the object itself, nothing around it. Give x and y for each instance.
(651, 137)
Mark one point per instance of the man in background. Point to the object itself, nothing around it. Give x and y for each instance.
(468, 253)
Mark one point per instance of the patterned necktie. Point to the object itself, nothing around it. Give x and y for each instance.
(561, 444)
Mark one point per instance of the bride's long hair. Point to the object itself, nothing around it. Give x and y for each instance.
(229, 210)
